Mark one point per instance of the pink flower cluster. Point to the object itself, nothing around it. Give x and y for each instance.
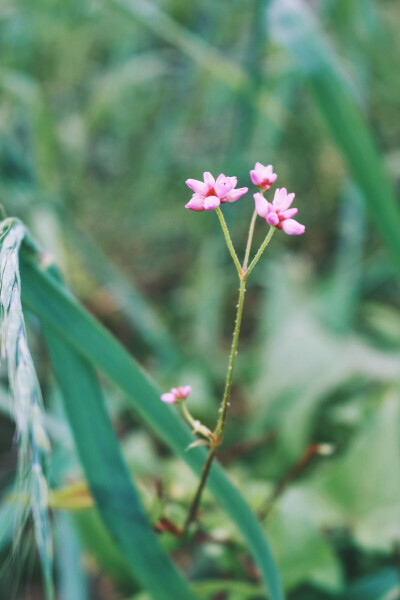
(278, 213)
(210, 193)
(176, 394)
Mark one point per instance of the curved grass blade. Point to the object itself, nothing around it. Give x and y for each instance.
(60, 313)
(292, 24)
(108, 474)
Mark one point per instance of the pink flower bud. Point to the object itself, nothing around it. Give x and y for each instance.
(176, 394)
(263, 177)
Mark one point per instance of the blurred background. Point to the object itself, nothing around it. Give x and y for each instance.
(106, 108)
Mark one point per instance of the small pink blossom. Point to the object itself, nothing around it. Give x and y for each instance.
(210, 193)
(278, 212)
(176, 394)
(263, 177)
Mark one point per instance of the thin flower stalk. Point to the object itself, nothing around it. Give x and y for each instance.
(229, 241)
(260, 251)
(216, 438)
(249, 242)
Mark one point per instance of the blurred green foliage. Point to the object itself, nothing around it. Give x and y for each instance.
(106, 107)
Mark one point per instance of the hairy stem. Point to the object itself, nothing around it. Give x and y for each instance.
(260, 251)
(217, 434)
(191, 516)
(229, 241)
(249, 241)
(232, 358)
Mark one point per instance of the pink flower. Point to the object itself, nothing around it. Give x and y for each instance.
(210, 193)
(263, 177)
(176, 394)
(278, 213)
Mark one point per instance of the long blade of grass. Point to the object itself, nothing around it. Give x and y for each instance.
(292, 25)
(60, 313)
(108, 475)
(72, 580)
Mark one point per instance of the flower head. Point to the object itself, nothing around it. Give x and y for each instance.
(176, 394)
(278, 213)
(263, 177)
(210, 193)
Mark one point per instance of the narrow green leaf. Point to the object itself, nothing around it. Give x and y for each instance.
(291, 23)
(72, 579)
(108, 474)
(59, 312)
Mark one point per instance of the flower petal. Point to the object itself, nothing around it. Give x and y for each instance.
(168, 398)
(255, 176)
(292, 227)
(224, 185)
(263, 207)
(184, 391)
(282, 200)
(211, 202)
(235, 194)
(272, 219)
(208, 179)
(196, 203)
(197, 186)
(289, 213)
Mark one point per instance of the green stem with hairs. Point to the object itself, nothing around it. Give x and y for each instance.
(249, 241)
(216, 437)
(229, 241)
(260, 251)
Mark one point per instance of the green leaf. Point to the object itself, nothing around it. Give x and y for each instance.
(108, 476)
(60, 313)
(292, 24)
(374, 587)
(72, 580)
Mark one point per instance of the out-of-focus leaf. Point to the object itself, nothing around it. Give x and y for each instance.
(302, 360)
(72, 581)
(358, 488)
(374, 587)
(108, 475)
(98, 543)
(292, 25)
(303, 553)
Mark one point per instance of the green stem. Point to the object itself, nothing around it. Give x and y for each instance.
(249, 240)
(232, 359)
(195, 424)
(187, 415)
(260, 251)
(229, 241)
(191, 516)
(217, 434)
